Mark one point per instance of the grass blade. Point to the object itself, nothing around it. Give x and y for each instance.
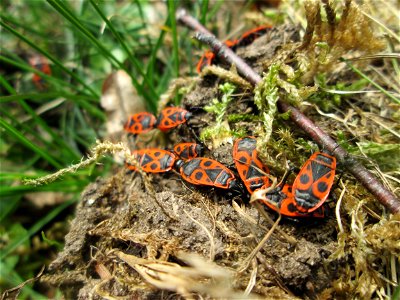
(153, 55)
(204, 10)
(50, 57)
(35, 228)
(8, 205)
(67, 14)
(23, 140)
(128, 52)
(40, 122)
(357, 71)
(175, 44)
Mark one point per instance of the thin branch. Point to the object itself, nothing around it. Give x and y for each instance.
(367, 179)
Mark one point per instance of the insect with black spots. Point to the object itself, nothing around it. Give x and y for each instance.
(314, 182)
(153, 160)
(140, 123)
(188, 150)
(251, 169)
(281, 199)
(208, 172)
(310, 189)
(172, 117)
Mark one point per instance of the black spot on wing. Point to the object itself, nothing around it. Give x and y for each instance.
(292, 208)
(322, 187)
(304, 178)
(207, 163)
(243, 159)
(198, 175)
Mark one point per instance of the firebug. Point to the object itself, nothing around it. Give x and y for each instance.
(153, 160)
(140, 123)
(205, 60)
(249, 36)
(208, 172)
(246, 39)
(284, 201)
(250, 168)
(209, 57)
(314, 182)
(188, 150)
(172, 117)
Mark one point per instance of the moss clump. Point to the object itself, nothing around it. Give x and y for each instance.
(220, 132)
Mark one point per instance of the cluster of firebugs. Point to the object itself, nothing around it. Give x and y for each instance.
(305, 198)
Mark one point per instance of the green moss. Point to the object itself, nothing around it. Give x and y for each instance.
(234, 118)
(265, 97)
(220, 130)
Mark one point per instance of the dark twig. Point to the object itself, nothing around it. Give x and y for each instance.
(386, 197)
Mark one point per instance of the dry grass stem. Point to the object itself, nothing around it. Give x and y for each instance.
(229, 76)
(210, 236)
(97, 152)
(246, 262)
(337, 208)
(199, 276)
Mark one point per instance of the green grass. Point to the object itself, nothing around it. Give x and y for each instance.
(46, 130)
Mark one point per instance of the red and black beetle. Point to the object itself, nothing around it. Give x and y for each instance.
(140, 123)
(208, 172)
(250, 168)
(171, 117)
(188, 150)
(153, 160)
(281, 199)
(314, 182)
